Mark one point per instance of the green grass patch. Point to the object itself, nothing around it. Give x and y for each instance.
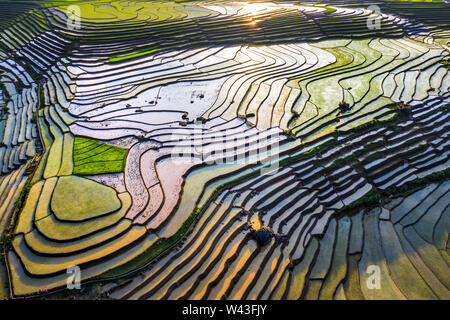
(132, 54)
(327, 9)
(91, 157)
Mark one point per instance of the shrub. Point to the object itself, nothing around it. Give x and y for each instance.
(344, 106)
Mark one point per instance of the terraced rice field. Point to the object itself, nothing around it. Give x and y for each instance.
(225, 149)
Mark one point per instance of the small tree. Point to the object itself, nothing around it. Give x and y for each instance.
(344, 106)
